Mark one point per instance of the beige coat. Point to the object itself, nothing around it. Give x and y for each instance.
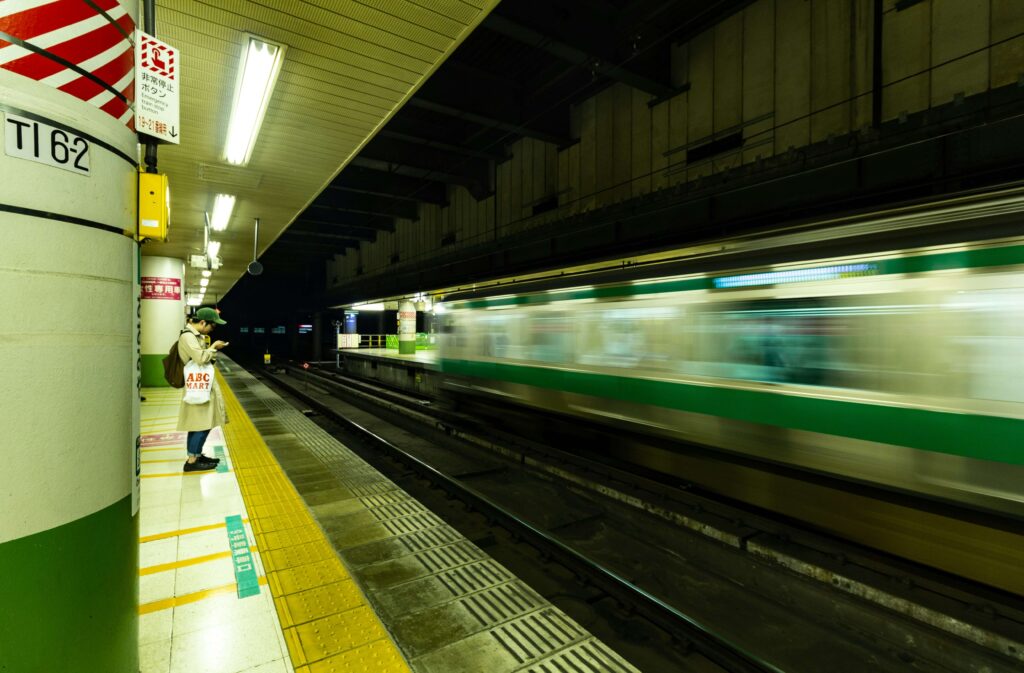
(193, 417)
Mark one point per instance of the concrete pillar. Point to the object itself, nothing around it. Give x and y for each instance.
(163, 313)
(406, 328)
(69, 348)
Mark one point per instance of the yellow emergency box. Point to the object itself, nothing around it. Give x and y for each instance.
(154, 206)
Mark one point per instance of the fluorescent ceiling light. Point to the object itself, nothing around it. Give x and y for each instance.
(204, 282)
(206, 273)
(213, 249)
(260, 64)
(222, 207)
(195, 300)
(376, 306)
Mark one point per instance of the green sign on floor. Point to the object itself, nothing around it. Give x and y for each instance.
(245, 565)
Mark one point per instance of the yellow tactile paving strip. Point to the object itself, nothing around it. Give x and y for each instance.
(328, 625)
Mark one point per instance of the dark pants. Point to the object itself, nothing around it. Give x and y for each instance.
(196, 441)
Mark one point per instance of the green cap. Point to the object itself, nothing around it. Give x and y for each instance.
(210, 315)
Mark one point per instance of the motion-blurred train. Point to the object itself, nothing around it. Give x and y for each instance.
(902, 368)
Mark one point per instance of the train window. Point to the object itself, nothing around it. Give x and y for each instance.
(784, 341)
(987, 341)
(550, 337)
(628, 337)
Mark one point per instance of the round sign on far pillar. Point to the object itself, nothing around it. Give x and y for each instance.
(305, 365)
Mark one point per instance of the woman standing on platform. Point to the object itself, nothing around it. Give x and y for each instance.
(199, 419)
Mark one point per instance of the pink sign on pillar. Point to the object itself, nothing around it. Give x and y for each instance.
(161, 288)
(163, 439)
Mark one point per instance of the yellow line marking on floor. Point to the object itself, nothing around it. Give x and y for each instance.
(180, 474)
(185, 599)
(168, 448)
(165, 462)
(327, 622)
(184, 531)
(184, 563)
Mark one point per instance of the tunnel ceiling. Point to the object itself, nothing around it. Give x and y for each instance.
(516, 75)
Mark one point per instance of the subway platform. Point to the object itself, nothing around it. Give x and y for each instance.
(416, 373)
(296, 555)
(428, 358)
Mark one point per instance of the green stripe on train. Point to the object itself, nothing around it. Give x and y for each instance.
(992, 438)
(943, 261)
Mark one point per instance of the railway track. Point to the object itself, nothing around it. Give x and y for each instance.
(952, 620)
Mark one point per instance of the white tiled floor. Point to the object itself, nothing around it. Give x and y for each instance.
(220, 633)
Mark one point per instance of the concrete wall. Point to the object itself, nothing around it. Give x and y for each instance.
(784, 73)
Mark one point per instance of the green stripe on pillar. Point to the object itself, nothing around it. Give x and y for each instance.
(153, 370)
(69, 596)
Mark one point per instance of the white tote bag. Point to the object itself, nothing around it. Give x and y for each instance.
(198, 382)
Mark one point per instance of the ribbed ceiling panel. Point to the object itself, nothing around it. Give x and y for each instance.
(349, 65)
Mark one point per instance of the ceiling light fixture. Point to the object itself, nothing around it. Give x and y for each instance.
(222, 207)
(204, 282)
(213, 249)
(207, 274)
(260, 64)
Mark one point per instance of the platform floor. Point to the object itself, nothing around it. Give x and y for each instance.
(261, 593)
(191, 618)
(299, 556)
(427, 357)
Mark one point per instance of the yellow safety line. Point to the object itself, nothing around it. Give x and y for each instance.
(185, 599)
(179, 474)
(327, 622)
(184, 531)
(184, 563)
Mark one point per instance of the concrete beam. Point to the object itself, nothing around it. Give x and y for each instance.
(346, 234)
(330, 221)
(443, 146)
(367, 204)
(390, 185)
(483, 120)
(570, 54)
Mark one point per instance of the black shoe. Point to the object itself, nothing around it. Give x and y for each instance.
(206, 459)
(199, 466)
